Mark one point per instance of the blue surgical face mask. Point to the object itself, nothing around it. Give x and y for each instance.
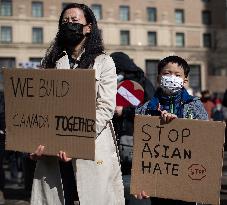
(171, 84)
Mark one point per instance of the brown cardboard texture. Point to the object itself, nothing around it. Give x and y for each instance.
(179, 160)
(54, 108)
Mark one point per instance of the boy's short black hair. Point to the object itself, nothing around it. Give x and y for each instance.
(174, 59)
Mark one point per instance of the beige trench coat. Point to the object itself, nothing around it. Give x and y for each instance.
(99, 182)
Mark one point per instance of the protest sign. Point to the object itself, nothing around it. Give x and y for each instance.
(129, 93)
(179, 160)
(54, 108)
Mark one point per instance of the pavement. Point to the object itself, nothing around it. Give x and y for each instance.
(16, 202)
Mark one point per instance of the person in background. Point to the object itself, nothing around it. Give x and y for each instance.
(207, 102)
(224, 109)
(2, 147)
(123, 119)
(78, 44)
(171, 101)
(217, 112)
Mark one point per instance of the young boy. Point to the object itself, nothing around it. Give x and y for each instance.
(171, 100)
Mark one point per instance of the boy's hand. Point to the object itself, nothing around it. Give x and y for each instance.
(141, 195)
(167, 117)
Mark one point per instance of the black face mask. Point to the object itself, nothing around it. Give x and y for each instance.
(70, 34)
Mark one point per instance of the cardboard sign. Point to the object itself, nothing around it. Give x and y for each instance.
(54, 108)
(129, 93)
(179, 160)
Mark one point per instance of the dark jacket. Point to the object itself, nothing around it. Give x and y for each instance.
(192, 107)
(123, 125)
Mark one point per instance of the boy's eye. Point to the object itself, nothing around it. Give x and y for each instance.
(166, 73)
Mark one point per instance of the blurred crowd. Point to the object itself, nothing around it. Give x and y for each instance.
(215, 105)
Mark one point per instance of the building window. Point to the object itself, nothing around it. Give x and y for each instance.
(152, 71)
(152, 38)
(206, 17)
(6, 63)
(37, 9)
(195, 78)
(6, 34)
(179, 16)
(97, 9)
(124, 13)
(207, 42)
(180, 40)
(152, 14)
(125, 38)
(35, 62)
(66, 4)
(37, 35)
(32, 63)
(206, 1)
(6, 7)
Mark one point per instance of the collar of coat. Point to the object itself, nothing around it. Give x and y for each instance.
(63, 61)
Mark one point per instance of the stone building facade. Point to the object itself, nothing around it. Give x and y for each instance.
(147, 30)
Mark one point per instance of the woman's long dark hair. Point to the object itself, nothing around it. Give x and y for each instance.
(93, 45)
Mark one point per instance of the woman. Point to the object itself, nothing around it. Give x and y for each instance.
(78, 44)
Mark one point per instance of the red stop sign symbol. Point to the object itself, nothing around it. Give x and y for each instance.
(196, 172)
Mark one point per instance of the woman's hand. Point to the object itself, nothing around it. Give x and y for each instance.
(118, 110)
(63, 157)
(141, 195)
(38, 153)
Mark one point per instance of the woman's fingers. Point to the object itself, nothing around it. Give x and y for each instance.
(62, 155)
(141, 195)
(32, 156)
(38, 153)
(66, 159)
(40, 150)
(144, 195)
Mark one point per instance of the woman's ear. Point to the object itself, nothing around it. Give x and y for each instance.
(88, 28)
